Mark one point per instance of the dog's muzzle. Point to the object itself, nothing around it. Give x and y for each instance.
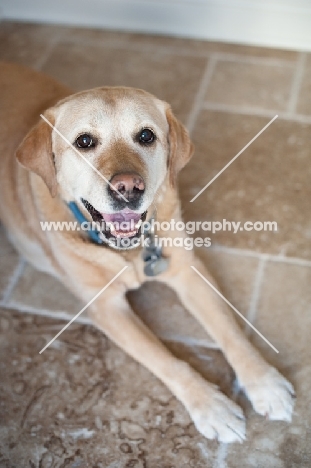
(122, 224)
(125, 191)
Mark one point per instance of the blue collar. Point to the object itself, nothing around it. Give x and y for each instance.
(93, 234)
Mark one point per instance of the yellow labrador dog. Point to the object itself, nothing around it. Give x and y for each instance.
(119, 161)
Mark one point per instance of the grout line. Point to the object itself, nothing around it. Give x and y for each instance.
(221, 456)
(13, 280)
(199, 98)
(256, 112)
(253, 60)
(233, 109)
(55, 315)
(271, 257)
(222, 451)
(254, 300)
(296, 84)
(290, 260)
(236, 251)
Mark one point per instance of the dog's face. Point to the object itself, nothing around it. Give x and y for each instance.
(120, 145)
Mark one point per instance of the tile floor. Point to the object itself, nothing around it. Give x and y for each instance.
(84, 403)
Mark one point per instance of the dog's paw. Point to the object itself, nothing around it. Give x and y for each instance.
(219, 418)
(272, 396)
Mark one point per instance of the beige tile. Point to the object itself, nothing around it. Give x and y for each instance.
(235, 275)
(83, 402)
(304, 100)
(178, 43)
(8, 262)
(270, 181)
(165, 75)
(284, 318)
(37, 290)
(26, 43)
(284, 314)
(251, 85)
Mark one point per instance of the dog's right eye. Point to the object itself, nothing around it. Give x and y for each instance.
(146, 136)
(85, 141)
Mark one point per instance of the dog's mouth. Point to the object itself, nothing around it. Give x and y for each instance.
(122, 224)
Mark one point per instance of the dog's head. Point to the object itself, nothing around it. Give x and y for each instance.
(110, 151)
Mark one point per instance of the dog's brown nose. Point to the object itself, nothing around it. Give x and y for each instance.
(129, 184)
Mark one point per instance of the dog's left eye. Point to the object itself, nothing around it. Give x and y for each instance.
(146, 136)
(85, 141)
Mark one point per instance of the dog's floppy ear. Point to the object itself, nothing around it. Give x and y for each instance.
(35, 152)
(181, 147)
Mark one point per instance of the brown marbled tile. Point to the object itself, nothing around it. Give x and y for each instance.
(8, 262)
(83, 402)
(251, 85)
(107, 396)
(167, 76)
(270, 181)
(304, 99)
(284, 319)
(26, 43)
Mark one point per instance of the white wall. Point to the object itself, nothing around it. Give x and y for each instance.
(274, 23)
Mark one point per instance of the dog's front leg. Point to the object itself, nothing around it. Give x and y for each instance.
(214, 415)
(269, 392)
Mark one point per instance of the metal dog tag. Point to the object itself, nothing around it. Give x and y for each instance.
(156, 266)
(151, 253)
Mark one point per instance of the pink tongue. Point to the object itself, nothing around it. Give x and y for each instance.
(125, 215)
